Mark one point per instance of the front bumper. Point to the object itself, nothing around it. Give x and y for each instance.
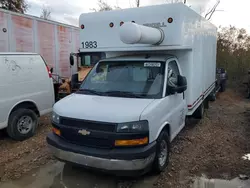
(125, 159)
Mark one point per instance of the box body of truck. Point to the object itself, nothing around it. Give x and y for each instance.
(158, 68)
(189, 36)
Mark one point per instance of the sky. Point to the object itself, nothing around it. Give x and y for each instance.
(230, 12)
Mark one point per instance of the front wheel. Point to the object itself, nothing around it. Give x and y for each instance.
(162, 153)
(22, 124)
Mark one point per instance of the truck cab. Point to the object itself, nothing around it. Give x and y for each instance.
(134, 102)
(131, 101)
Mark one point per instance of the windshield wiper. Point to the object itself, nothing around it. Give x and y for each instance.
(122, 94)
(90, 91)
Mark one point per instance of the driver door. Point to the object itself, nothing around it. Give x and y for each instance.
(176, 101)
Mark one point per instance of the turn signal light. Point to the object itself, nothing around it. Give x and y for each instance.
(56, 131)
(134, 142)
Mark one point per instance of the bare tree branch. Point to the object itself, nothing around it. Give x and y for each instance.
(46, 13)
(137, 3)
(210, 13)
(103, 6)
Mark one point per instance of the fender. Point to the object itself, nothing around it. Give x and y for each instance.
(162, 127)
(19, 102)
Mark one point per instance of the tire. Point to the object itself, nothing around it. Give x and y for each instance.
(213, 97)
(206, 103)
(17, 129)
(223, 87)
(158, 164)
(199, 113)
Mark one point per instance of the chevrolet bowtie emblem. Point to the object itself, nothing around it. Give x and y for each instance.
(84, 132)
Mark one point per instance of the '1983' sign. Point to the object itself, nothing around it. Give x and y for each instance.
(89, 44)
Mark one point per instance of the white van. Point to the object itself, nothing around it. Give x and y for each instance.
(26, 93)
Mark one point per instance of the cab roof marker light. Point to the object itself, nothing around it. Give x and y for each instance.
(170, 20)
(132, 33)
(111, 24)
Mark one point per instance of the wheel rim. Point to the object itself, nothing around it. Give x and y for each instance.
(24, 124)
(163, 153)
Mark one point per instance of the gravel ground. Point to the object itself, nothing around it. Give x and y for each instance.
(212, 147)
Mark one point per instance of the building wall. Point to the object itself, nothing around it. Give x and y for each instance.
(53, 40)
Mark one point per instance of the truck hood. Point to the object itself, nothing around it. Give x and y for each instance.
(101, 108)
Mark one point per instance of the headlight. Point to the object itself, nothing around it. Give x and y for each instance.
(131, 127)
(55, 118)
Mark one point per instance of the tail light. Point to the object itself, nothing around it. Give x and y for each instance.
(50, 75)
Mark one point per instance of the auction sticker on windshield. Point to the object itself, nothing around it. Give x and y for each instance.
(152, 64)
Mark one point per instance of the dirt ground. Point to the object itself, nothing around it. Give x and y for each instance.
(212, 147)
(18, 158)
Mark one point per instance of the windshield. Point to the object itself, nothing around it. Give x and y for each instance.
(135, 79)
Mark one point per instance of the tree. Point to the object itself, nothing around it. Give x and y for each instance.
(103, 6)
(233, 52)
(46, 13)
(137, 3)
(19, 6)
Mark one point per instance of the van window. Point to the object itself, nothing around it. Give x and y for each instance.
(90, 59)
(173, 72)
(135, 78)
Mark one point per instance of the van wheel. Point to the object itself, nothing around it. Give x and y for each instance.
(162, 153)
(22, 124)
(199, 113)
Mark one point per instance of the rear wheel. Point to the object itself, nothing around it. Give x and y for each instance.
(213, 96)
(206, 103)
(199, 113)
(22, 124)
(162, 153)
(223, 86)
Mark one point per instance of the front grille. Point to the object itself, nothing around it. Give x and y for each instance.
(97, 139)
(90, 125)
(86, 140)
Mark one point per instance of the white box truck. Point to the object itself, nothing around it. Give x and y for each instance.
(159, 68)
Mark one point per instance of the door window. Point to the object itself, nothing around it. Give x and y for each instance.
(173, 72)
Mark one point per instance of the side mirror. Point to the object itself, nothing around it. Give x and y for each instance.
(182, 85)
(51, 69)
(71, 60)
